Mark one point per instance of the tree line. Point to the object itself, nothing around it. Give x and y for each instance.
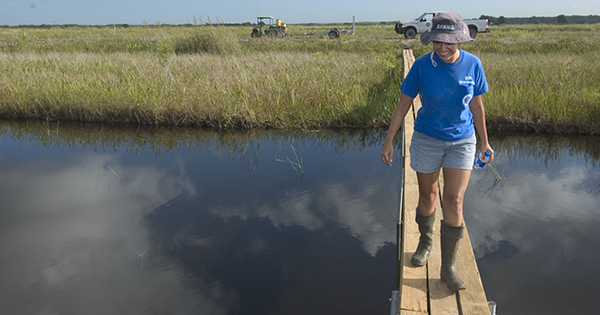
(560, 19)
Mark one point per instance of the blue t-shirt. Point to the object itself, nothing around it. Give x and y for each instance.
(446, 90)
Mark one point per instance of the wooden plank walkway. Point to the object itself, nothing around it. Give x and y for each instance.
(421, 290)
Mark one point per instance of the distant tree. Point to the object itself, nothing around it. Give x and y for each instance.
(501, 20)
(534, 20)
(491, 19)
(562, 19)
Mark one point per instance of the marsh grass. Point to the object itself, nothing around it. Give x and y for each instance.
(297, 165)
(556, 93)
(273, 90)
(209, 40)
(542, 77)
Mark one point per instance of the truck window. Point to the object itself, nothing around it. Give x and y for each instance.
(426, 17)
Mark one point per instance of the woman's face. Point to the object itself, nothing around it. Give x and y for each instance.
(447, 52)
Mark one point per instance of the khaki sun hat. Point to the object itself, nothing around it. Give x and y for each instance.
(447, 27)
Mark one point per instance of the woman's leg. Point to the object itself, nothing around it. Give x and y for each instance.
(455, 185)
(428, 191)
(425, 216)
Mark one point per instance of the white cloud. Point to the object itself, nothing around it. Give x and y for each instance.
(531, 208)
(81, 254)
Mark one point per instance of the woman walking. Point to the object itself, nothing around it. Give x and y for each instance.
(451, 82)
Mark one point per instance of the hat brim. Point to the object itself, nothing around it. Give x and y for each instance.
(442, 37)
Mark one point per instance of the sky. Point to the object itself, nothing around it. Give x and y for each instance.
(136, 12)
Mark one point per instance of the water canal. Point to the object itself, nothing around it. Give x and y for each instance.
(105, 220)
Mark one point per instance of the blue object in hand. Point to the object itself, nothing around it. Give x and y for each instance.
(478, 163)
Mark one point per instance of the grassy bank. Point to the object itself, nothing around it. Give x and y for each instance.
(542, 77)
(556, 93)
(275, 90)
(211, 77)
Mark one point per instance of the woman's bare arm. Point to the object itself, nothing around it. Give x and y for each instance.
(404, 104)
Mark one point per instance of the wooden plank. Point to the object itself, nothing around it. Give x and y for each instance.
(414, 283)
(408, 58)
(414, 280)
(472, 300)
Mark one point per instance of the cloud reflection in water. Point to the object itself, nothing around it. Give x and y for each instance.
(74, 235)
(535, 236)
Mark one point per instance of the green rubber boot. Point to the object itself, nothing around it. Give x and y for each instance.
(425, 223)
(450, 236)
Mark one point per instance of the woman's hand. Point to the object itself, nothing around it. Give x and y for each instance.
(486, 147)
(387, 153)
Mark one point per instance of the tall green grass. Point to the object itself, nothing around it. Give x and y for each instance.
(209, 40)
(555, 92)
(276, 90)
(175, 39)
(542, 77)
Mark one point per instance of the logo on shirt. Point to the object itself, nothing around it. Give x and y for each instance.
(467, 99)
(467, 81)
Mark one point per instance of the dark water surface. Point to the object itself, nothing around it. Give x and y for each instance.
(99, 220)
(219, 225)
(536, 234)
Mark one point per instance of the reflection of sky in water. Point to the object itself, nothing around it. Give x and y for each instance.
(215, 235)
(536, 234)
(220, 234)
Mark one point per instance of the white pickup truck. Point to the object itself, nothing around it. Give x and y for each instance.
(411, 28)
